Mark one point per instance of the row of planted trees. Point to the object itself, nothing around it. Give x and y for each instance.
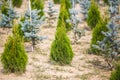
(14, 57)
(104, 37)
(105, 34)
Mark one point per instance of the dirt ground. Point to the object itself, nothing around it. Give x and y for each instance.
(83, 67)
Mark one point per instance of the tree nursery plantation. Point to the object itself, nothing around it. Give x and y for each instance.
(59, 39)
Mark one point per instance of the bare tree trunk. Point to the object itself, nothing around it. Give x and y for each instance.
(33, 42)
(30, 11)
(33, 45)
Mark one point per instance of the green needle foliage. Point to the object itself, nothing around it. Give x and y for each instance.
(97, 34)
(39, 5)
(6, 3)
(93, 15)
(20, 32)
(68, 5)
(56, 1)
(61, 51)
(4, 8)
(64, 14)
(17, 3)
(106, 2)
(115, 75)
(14, 58)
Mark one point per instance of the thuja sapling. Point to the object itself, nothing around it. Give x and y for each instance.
(1, 3)
(31, 24)
(106, 2)
(56, 1)
(64, 13)
(74, 20)
(115, 75)
(4, 6)
(39, 5)
(97, 35)
(51, 13)
(17, 3)
(14, 57)
(61, 50)
(110, 45)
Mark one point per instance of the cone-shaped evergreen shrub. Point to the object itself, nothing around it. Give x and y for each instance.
(115, 75)
(64, 14)
(67, 5)
(56, 1)
(4, 9)
(20, 32)
(93, 15)
(97, 34)
(17, 3)
(106, 2)
(61, 51)
(14, 58)
(39, 5)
